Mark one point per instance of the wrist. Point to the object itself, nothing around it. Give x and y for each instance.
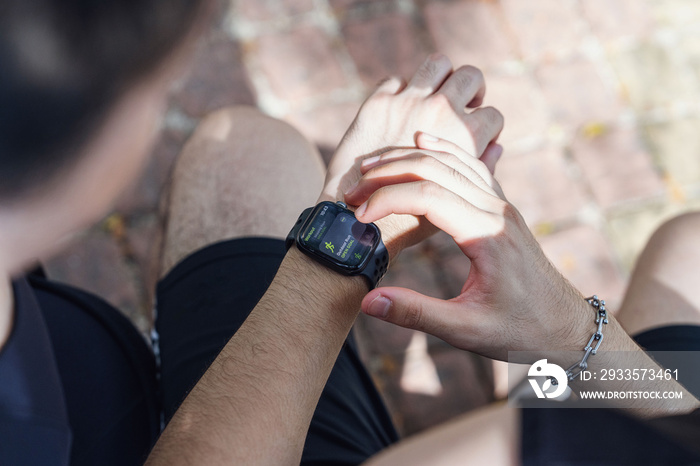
(318, 286)
(581, 325)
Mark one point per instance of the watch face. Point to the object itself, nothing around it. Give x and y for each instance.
(334, 232)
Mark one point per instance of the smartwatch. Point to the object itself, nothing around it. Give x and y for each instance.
(330, 234)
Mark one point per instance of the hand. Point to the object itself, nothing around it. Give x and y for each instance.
(433, 101)
(513, 299)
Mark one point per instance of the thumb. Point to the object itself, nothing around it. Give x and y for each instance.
(409, 309)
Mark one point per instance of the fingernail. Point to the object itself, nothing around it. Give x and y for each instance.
(371, 161)
(379, 307)
(429, 137)
(361, 210)
(352, 188)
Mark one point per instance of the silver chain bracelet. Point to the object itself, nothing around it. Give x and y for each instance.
(600, 319)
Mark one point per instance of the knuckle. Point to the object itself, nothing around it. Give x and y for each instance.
(413, 317)
(456, 175)
(427, 189)
(378, 101)
(463, 80)
(493, 116)
(439, 102)
(448, 158)
(390, 81)
(427, 161)
(428, 70)
(474, 71)
(388, 87)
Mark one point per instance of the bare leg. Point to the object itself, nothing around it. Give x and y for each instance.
(240, 174)
(664, 287)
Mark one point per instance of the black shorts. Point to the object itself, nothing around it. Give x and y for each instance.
(201, 303)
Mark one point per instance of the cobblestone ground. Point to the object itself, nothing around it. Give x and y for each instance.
(601, 144)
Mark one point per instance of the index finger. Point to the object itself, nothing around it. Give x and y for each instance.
(446, 210)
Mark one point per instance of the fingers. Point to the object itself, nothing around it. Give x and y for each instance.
(473, 169)
(413, 310)
(465, 87)
(462, 181)
(485, 124)
(430, 76)
(443, 208)
(432, 143)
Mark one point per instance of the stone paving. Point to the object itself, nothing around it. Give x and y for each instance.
(602, 109)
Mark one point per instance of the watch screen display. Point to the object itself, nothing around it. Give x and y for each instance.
(337, 234)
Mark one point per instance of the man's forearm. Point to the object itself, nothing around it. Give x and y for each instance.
(254, 404)
(620, 351)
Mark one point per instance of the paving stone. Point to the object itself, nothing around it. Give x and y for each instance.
(325, 125)
(299, 64)
(387, 45)
(653, 76)
(469, 32)
(616, 166)
(264, 10)
(144, 194)
(377, 338)
(689, 46)
(441, 243)
(544, 28)
(540, 186)
(520, 101)
(414, 270)
(675, 146)
(143, 238)
(343, 5)
(217, 78)
(583, 255)
(575, 93)
(452, 271)
(676, 13)
(614, 19)
(94, 262)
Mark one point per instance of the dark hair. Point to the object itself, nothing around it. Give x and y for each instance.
(63, 64)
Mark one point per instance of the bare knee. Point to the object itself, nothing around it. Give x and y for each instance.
(241, 121)
(679, 232)
(674, 247)
(663, 288)
(219, 123)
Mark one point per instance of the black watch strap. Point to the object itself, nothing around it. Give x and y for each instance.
(292, 236)
(374, 270)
